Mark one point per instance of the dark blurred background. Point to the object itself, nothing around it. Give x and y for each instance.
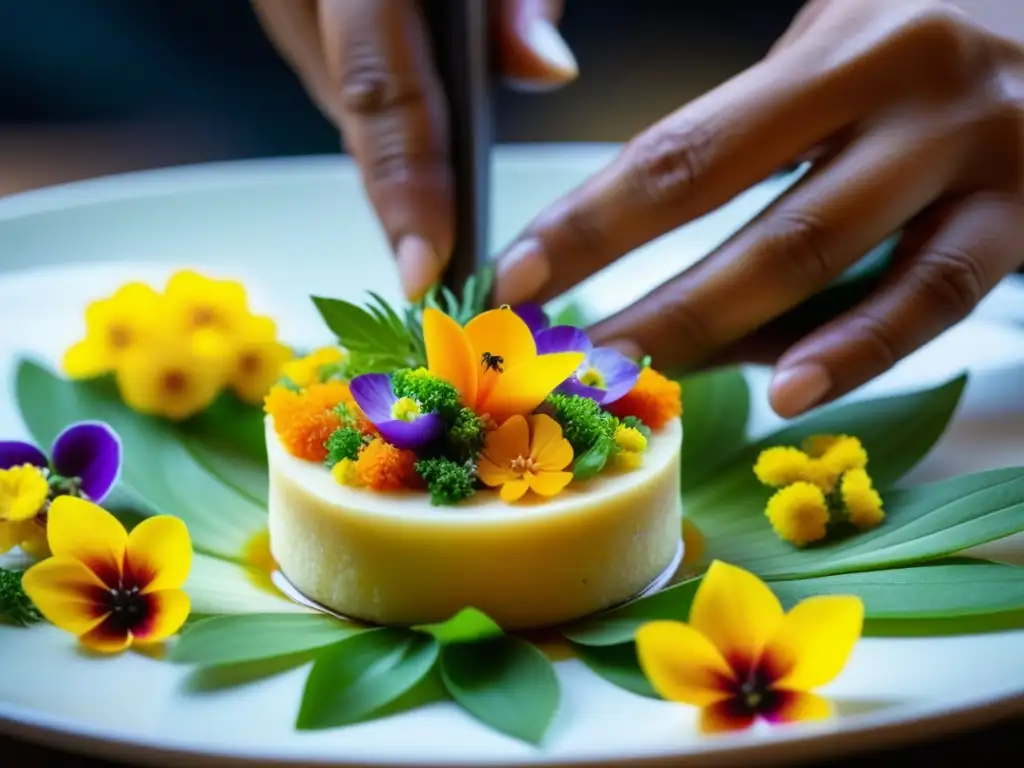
(89, 87)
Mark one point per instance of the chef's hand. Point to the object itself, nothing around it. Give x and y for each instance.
(367, 64)
(914, 117)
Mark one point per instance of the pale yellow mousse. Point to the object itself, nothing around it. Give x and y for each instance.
(392, 558)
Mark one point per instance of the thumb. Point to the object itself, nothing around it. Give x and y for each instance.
(533, 55)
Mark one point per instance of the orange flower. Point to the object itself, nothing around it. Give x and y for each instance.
(382, 467)
(329, 395)
(523, 456)
(655, 400)
(304, 420)
(493, 362)
(307, 438)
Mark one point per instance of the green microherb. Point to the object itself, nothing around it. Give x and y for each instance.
(634, 423)
(466, 435)
(583, 422)
(432, 394)
(475, 297)
(15, 606)
(344, 443)
(448, 481)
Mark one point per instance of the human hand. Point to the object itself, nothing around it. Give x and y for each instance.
(368, 66)
(914, 118)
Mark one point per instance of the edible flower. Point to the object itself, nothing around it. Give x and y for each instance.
(534, 316)
(109, 588)
(741, 659)
(85, 461)
(493, 362)
(306, 420)
(401, 421)
(307, 370)
(655, 400)
(526, 455)
(381, 467)
(630, 444)
(194, 302)
(605, 375)
(255, 359)
(820, 460)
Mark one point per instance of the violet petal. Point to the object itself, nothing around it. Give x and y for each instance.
(573, 386)
(374, 395)
(618, 371)
(90, 451)
(562, 338)
(533, 315)
(14, 453)
(407, 435)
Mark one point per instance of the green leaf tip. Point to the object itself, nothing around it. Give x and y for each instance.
(16, 607)
(467, 626)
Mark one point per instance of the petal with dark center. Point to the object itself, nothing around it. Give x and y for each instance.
(80, 530)
(67, 593)
(796, 707)
(109, 636)
(167, 611)
(725, 717)
(91, 451)
(159, 554)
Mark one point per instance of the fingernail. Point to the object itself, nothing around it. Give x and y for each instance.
(546, 41)
(797, 389)
(418, 266)
(533, 86)
(626, 347)
(521, 273)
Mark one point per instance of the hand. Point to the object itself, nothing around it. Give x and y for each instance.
(914, 119)
(367, 64)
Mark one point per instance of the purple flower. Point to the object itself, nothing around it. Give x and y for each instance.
(399, 420)
(534, 317)
(85, 460)
(605, 375)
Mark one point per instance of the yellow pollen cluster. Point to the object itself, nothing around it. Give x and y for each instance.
(630, 444)
(406, 409)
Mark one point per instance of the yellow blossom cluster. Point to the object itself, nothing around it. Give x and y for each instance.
(821, 485)
(173, 352)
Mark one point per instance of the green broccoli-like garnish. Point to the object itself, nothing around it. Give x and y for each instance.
(15, 605)
(583, 422)
(639, 426)
(466, 435)
(448, 482)
(344, 443)
(432, 394)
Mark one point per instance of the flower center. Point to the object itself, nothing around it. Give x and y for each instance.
(406, 409)
(65, 486)
(521, 465)
(591, 377)
(250, 364)
(175, 382)
(128, 607)
(203, 317)
(119, 336)
(755, 694)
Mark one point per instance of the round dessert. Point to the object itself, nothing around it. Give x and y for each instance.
(395, 559)
(471, 459)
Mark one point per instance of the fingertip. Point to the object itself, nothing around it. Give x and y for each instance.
(521, 273)
(794, 390)
(419, 266)
(536, 57)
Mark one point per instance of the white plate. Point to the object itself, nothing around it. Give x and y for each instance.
(288, 227)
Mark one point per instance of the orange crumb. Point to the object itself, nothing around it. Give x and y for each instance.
(655, 400)
(382, 467)
(306, 438)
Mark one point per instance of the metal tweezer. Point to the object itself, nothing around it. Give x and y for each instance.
(460, 35)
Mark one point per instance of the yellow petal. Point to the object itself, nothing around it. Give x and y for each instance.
(169, 608)
(13, 533)
(107, 637)
(522, 388)
(800, 706)
(548, 483)
(508, 442)
(67, 593)
(548, 448)
(23, 492)
(85, 532)
(736, 611)
(33, 541)
(682, 664)
(501, 332)
(491, 474)
(159, 554)
(814, 641)
(514, 490)
(449, 354)
(725, 717)
(86, 360)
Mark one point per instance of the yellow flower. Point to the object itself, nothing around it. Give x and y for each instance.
(176, 378)
(782, 465)
(194, 302)
(626, 461)
(799, 513)
(257, 359)
(521, 456)
(23, 494)
(306, 370)
(493, 362)
(345, 473)
(107, 587)
(862, 504)
(630, 439)
(823, 459)
(115, 327)
(741, 659)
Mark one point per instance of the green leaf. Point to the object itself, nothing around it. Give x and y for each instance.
(218, 587)
(159, 471)
(467, 626)
(923, 523)
(240, 639)
(504, 682)
(219, 678)
(897, 431)
(372, 337)
(618, 665)
(620, 624)
(714, 422)
(922, 592)
(592, 462)
(357, 677)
